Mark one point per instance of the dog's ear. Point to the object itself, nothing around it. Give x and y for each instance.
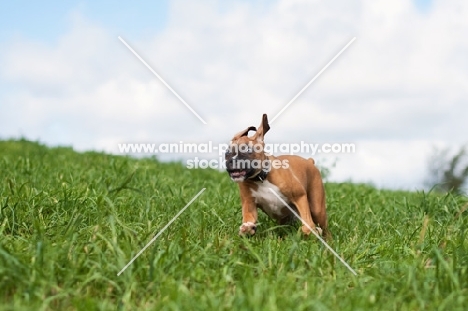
(262, 129)
(244, 132)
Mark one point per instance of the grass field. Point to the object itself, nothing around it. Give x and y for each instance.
(69, 222)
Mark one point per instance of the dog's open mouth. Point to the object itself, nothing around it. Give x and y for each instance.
(235, 174)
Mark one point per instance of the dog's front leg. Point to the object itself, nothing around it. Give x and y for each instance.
(249, 216)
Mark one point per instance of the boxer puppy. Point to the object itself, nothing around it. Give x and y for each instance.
(295, 179)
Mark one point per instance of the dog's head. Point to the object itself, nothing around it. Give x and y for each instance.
(245, 157)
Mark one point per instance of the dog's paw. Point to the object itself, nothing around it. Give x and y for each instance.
(306, 230)
(247, 228)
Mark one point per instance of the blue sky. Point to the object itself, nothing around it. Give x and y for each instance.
(65, 78)
(47, 20)
(423, 5)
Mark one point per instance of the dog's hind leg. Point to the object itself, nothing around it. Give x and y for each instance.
(316, 199)
(303, 208)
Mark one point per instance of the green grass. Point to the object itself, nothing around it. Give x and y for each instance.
(69, 222)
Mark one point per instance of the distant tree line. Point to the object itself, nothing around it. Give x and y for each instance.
(448, 171)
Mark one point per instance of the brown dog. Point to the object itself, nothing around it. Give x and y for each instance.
(295, 179)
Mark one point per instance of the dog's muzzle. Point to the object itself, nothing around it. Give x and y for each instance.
(239, 167)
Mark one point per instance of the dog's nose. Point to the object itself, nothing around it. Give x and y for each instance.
(229, 162)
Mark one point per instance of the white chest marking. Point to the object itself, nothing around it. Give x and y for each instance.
(268, 200)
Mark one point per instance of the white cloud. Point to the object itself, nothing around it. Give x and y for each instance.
(401, 86)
